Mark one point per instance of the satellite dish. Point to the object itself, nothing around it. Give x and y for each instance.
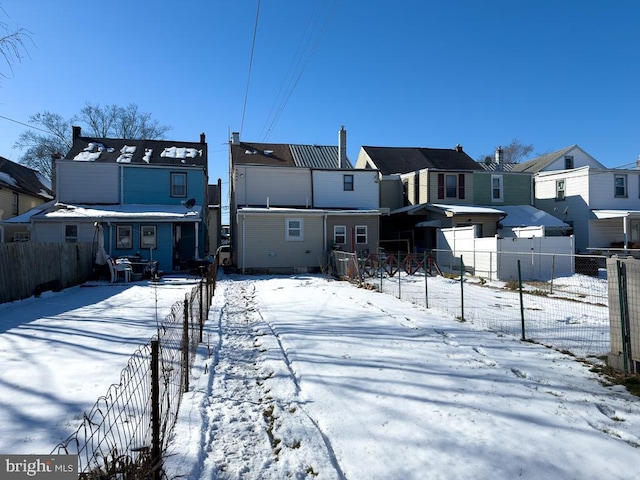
(190, 203)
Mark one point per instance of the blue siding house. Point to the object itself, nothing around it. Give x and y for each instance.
(131, 198)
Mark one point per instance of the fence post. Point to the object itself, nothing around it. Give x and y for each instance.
(399, 278)
(521, 303)
(426, 288)
(156, 457)
(461, 289)
(624, 315)
(185, 345)
(553, 271)
(201, 291)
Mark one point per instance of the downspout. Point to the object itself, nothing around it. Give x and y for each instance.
(243, 243)
(121, 185)
(197, 225)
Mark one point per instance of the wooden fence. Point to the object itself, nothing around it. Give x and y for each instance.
(28, 268)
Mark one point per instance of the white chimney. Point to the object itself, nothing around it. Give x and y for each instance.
(499, 152)
(235, 138)
(342, 147)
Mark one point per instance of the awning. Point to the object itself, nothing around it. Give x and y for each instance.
(604, 214)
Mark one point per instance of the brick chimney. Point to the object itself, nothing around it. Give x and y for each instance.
(458, 148)
(77, 131)
(342, 147)
(202, 138)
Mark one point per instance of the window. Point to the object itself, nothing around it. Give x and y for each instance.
(347, 183)
(634, 236)
(71, 233)
(361, 234)
(294, 230)
(416, 189)
(148, 236)
(568, 162)
(123, 237)
(14, 204)
(451, 186)
(339, 234)
(560, 193)
(620, 184)
(21, 237)
(496, 188)
(178, 184)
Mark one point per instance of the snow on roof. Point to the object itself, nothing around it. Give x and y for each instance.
(52, 211)
(462, 209)
(8, 179)
(92, 152)
(526, 215)
(126, 154)
(180, 152)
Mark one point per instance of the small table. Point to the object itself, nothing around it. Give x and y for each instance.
(143, 268)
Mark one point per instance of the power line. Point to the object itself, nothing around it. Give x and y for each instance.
(253, 46)
(300, 61)
(24, 124)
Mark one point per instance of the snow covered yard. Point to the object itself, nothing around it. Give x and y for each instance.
(305, 377)
(61, 352)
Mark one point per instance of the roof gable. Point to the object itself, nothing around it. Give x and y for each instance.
(538, 164)
(24, 179)
(390, 160)
(139, 152)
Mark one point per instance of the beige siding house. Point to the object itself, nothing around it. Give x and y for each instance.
(292, 204)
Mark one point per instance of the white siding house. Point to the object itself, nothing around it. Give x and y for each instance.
(272, 185)
(351, 189)
(602, 205)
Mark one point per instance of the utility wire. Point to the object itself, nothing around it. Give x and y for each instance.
(308, 51)
(24, 124)
(253, 46)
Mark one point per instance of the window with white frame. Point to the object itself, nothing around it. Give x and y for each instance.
(124, 240)
(179, 185)
(361, 234)
(347, 183)
(148, 236)
(496, 188)
(560, 190)
(339, 234)
(294, 230)
(71, 233)
(620, 186)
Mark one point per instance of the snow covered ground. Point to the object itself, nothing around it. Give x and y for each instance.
(308, 378)
(305, 377)
(61, 352)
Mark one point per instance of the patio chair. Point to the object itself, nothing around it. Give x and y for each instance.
(118, 269)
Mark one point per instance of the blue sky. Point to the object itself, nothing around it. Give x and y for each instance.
(405, 73)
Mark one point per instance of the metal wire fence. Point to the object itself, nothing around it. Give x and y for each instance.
(124, 434)
(569, 311)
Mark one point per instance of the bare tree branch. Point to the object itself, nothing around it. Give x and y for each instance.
(12, 46)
